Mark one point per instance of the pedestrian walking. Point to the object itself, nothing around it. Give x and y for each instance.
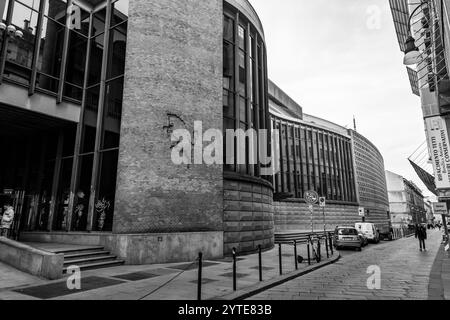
(421, 234)
(439, 226)
(7, 220)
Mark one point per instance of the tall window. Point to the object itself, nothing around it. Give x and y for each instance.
(244, 82)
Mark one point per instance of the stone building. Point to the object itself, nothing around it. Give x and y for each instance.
(406, 201)
(92, 95)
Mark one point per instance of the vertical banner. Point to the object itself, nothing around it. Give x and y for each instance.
(438, 142)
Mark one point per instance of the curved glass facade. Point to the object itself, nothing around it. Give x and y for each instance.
(312, 158)
(245, 104)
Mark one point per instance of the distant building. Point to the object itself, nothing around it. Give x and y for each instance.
(406, 201)
(371, 181)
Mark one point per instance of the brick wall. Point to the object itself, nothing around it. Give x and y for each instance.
(295, 216)
(173, 77)
(248, 215)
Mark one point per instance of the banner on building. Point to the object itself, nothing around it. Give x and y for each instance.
(439, 145)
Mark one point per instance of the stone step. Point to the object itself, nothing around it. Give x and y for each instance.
(99, 265)
(83, 261)
(85, 254)
(79, 249)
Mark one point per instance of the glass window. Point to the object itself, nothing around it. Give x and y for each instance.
(228, 105)
(241, 35)
(95, 60)
(56, 10)
(19, 55)
(98, 22)
(62, 201)
(117, 47)
(242, 73)
(228, 29)
(112, 114)
(104, 204)
(82, 193)
(76, 65)
(3, 13)
(119, 12)
(90, 119)
(50, 55)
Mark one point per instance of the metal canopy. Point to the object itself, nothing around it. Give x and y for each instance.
(400, 15)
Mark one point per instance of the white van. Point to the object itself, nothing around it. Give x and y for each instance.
(369, 230)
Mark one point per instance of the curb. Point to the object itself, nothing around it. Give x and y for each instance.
(266, 285)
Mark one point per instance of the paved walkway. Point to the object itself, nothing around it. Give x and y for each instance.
(439, 287)
(11, 277)
(405, 274)
(163, 282)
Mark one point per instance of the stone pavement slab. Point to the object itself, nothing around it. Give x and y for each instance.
(11, 277)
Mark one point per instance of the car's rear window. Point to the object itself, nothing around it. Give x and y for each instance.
(348, 232)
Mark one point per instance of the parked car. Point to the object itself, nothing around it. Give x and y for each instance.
(369, 230)
(347, 237)
(364, 240)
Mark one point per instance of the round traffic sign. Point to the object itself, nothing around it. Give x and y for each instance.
(311, 197)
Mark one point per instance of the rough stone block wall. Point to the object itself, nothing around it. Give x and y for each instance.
(248, 216)
(295, 216)
(173, 77)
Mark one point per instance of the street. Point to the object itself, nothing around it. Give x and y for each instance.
(405, 274)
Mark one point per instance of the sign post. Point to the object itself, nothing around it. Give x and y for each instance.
(323, 204)
(362, 213)
(311, 198)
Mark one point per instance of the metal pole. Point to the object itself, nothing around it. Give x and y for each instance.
(199, 281)
(331, 243)
(326, 247)
(319, 254)
(280, 259)
(309, 253)
(234, 270)
(295, 255)
(260, 263)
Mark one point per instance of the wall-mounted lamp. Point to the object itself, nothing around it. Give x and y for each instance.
(412, 53)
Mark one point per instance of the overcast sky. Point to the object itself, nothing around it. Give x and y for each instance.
(339, 58)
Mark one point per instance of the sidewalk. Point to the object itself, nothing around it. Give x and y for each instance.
(12, 278)
(439, 288)
(166, 281)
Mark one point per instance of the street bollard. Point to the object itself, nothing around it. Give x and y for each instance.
(309, 253)
(330, 238)
(234, 270)
(260, 262)
(326, 247)
(295, 255)
(199, 281)
(319, 254)
(280, 259)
